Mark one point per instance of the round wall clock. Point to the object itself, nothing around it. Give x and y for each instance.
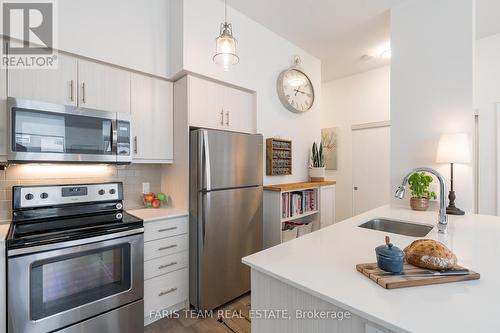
(295, 89)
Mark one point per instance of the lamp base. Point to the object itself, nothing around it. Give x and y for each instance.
(454, 211)
(451, 209)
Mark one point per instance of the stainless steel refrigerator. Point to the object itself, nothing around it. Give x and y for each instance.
(225, 207)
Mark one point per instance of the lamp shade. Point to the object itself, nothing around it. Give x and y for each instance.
(453, 148)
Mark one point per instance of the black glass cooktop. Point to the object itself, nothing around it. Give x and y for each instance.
(34, 232)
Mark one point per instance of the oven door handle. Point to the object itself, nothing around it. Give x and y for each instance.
(72, 243)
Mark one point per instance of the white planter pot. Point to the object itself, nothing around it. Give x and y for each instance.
(317, 174)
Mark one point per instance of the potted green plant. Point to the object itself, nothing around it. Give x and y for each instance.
(420, 195)
(317, 165)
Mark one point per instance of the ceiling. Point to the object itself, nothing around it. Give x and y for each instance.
(339, 32)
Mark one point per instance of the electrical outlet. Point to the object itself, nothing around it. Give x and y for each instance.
(146, 188)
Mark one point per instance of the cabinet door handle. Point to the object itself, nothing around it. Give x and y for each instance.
(83, 92)
(167, 229)
(227, 118)
(167, 265)
(71, 88)
(222, 117)
(135, 144)
(167, 247)
(163, 293)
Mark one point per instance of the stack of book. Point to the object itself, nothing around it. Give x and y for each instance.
(298, 203)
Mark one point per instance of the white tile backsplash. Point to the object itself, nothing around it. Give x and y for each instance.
(132, 177)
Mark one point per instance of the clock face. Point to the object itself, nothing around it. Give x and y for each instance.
(295, 90)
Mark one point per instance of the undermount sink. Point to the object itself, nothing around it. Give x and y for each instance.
(397, 227)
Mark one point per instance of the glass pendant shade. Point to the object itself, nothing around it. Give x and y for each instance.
(225, 53)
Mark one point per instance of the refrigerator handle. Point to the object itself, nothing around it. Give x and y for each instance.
(206, 156)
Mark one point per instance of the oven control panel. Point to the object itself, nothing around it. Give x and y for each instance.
(39, 196)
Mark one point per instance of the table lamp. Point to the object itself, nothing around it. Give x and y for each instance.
(453, 148)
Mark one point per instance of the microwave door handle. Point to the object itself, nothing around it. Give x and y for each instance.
(114, 137)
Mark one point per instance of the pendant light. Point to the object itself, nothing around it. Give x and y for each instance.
(225, 45)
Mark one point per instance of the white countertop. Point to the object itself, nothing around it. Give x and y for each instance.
(154, 214)
(323, 264)
(4, 229)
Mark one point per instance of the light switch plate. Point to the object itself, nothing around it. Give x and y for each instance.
(146, 188)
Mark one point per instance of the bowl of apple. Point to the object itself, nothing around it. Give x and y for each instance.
(154, 200)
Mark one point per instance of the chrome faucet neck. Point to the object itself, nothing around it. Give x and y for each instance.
(442, 218)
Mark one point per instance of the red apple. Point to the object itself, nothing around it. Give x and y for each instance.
(156, 203)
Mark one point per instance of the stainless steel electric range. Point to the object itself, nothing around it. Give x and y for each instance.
(74, 261)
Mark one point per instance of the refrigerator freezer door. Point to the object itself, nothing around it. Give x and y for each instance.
(226, 159)
(229, 228)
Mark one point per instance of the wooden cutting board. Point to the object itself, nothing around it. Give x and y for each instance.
(392, 282)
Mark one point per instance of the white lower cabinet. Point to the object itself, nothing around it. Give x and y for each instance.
(166, 279)
(327, 207)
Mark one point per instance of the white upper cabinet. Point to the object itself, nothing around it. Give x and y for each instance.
(3, 115)
(213, 105)
(152, 116)
(57, 86)
(103, 87)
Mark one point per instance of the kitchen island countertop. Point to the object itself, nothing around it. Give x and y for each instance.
(323, 264)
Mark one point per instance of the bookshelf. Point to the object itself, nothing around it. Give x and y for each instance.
(294, 209)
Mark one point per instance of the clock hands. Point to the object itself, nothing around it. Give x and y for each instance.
(298, 91)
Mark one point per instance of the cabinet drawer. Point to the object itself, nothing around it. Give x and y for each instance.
(165, 228)
(164, 291)
(165, 246)
(163, 265)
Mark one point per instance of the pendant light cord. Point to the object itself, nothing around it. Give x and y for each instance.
(225, 11)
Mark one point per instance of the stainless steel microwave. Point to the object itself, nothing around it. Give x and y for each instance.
(45, 132)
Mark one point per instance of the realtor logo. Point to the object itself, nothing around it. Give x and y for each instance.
(30, 31)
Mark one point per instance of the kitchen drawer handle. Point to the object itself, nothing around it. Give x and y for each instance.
(167, 247)
(227, 118)
(167, 229)
(222, 117)
(167, 265)
(163, 293)
(135, 144)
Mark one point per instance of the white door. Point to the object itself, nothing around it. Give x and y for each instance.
(152, 117)
(57, 86)
(103, 87)
(239, 110)
(205, 104)
(370, 168)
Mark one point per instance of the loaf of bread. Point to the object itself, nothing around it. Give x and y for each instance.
(430, 254)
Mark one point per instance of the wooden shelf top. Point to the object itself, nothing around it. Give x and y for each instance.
(297, 186)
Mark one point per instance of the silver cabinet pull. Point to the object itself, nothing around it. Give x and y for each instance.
(83, 92)
(167, 229)
(167, 265)
(227, 118)
(163, 293)
(71, 88)
(167, 247)
(135, 144)
(222, 117)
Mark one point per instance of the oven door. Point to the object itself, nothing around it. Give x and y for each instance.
(57, 133)
(53, 289)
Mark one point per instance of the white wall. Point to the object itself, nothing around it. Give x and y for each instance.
(263, 55)
(132, 33)
(487, 94)
(356, 99)
(431, 86)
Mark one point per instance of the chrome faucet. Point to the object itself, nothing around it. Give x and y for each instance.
(443, 218)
